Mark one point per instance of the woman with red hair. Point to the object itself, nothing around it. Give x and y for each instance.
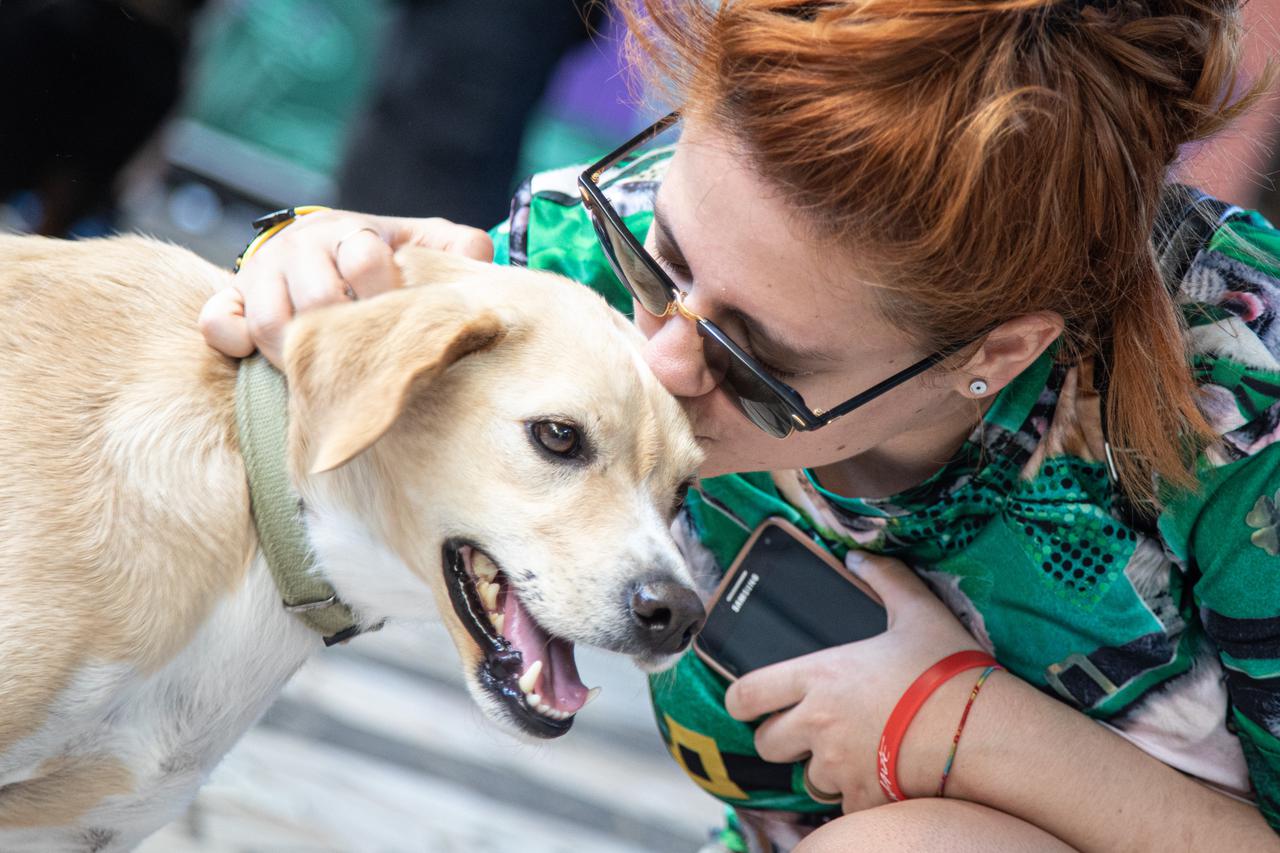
(909, 248)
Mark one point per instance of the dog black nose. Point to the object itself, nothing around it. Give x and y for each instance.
(667, 614)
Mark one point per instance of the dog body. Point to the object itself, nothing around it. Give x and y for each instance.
(122, 750)
(141, 631)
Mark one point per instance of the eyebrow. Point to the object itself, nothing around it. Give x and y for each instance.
(764, 343)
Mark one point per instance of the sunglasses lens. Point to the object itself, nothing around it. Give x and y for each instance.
(649, 290)
(744, 388)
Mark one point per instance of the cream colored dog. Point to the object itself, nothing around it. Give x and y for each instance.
(488, 448)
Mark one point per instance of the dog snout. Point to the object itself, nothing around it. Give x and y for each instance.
(666, 614)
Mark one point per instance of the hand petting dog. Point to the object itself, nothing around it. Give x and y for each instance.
(321, 259)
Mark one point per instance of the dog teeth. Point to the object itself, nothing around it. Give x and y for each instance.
(536, 703)
(529, 680)
(498, 620)
(483, 566)
(591, 695)
(488, 594)
(527, 683)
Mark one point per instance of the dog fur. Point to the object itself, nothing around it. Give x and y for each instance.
(140, 630)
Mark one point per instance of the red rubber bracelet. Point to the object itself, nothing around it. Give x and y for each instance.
(895, 729)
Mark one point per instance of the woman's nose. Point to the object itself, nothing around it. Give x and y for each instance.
(674, 354)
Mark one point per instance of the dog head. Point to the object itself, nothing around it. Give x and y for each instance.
(490, 445)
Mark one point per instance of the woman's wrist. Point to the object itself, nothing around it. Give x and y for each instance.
(913, 700)
(271, 224)
(1022, 749)
(923, 753)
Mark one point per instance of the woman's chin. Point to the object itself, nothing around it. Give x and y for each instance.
(733, 452)
(718, 462)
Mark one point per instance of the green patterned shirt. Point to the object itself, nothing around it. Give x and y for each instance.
(1168, 634)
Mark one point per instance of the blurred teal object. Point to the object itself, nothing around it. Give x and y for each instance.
(552, 141)
(286, 76)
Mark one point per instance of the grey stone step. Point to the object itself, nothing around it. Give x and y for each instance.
(377, 747)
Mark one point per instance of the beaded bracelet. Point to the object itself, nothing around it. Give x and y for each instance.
(272, 224)
(964, 716)
(895, 729)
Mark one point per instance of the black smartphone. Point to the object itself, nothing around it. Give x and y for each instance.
(783, 597)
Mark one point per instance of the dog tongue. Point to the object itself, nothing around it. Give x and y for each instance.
(558, 686)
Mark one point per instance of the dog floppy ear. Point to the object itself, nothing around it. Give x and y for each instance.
(352, 368)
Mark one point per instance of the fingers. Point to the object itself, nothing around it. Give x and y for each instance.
(327, 258)
(267, 310)
(437, 233)
(311, 281)
(322, 259)
(766, 690)
(223, 324)
(783, 738)
(364, 263)
(790, 737)
(820, 782)
(896, 584)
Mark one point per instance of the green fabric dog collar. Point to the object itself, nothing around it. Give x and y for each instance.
(262, 420)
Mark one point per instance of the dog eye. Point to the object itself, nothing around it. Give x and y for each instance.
(559, 438)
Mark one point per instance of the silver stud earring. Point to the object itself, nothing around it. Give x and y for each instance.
(978, 387)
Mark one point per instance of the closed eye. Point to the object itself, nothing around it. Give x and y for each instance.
(777, 372)
(681, 273)
(678, 270)
(668, 256)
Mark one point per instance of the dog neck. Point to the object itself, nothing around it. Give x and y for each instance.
(262, 422)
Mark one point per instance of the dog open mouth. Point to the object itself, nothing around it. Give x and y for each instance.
(532, 673)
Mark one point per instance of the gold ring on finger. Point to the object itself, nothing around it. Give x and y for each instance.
(816, 793)
(337, 248)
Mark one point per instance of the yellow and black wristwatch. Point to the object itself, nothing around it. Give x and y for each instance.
(270, 225)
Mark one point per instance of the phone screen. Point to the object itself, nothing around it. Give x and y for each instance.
(783, 602)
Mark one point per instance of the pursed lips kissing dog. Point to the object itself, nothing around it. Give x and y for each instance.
(485, 447)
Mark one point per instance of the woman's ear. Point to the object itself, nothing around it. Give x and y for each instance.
(1007, 351)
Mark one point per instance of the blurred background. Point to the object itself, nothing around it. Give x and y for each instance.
(186, 119)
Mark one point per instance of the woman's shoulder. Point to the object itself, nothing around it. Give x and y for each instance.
(549, 228)
(1230, 297)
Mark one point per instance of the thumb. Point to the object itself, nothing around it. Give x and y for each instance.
(891, 579)
(223, 324)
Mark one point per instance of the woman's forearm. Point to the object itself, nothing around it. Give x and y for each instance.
(1039, 760)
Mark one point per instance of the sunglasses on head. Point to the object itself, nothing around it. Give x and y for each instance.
(769, 403)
